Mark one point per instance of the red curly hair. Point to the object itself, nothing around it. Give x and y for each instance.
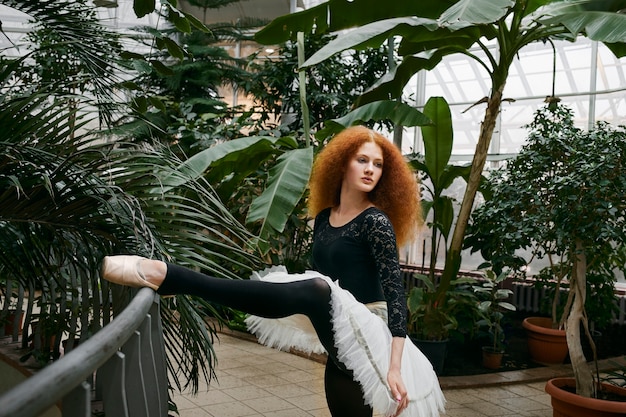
(397, 192)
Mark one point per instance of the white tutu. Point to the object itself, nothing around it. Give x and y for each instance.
(363, 342)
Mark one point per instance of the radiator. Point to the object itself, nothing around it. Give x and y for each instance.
(527, 298)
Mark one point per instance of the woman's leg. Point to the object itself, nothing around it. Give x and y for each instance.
(343, 394)
(265, 299)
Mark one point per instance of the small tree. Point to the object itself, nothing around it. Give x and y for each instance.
(564, 197)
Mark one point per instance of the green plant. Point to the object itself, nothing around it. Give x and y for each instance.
(432, 30)
(69, 197)
(273, 81)
(563, 197)
(429, 314)
(493, 305)
(430, 320)
(437, 175)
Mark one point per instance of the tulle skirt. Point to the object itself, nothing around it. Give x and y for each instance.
(363, 341)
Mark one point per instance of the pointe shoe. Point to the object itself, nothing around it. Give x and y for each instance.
(125, 270)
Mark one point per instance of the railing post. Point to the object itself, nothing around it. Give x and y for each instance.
(150, 380)
(111, 377)
(59, 379)
(78, 402)
(158, 350)
(135, 388)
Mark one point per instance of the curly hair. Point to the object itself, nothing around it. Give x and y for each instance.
(397, 192)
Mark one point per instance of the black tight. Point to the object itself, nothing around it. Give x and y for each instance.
(343, 395)
(273, 300)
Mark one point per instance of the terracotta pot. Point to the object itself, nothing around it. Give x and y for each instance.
(10, 321)
(568, 404)
(545, 344)
(492, 359)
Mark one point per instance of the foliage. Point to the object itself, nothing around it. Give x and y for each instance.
(436, 176)
(432, 30)
(493, 305)
(563, 197)
(430, 320)
(182, 107)
(70, 195)
(525, 203)
(332, 86)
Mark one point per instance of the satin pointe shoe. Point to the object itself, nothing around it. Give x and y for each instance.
(125, 270)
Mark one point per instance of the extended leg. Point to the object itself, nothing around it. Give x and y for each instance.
(265, 299)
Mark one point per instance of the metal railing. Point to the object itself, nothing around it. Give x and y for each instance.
(122, 366)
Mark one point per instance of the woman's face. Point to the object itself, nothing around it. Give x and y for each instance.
(365, 168)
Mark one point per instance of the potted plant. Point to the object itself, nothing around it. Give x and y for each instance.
(547, 343)
(567, 187)
(432, 315)
(11, 321)
(430, 323)
(11, 318)
(492, 307)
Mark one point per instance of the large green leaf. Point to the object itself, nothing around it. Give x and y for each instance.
(143, 7)
(399, 113)
(438, 137)
(225, 156)
(477, 11)
(371, 35)
(286, 185)
(336, 15)
(391, 85)
(445, 215)
(452, 172)
(599, 26)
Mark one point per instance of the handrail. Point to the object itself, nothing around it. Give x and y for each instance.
(137, 332)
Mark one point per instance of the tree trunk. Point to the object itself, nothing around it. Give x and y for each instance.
(578, 285)
(453, 258)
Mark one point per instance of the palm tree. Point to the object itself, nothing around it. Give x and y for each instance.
(70, 194)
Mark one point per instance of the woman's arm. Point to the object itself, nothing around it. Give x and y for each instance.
(394, 377)
(384, 249)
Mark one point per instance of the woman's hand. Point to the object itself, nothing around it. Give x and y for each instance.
(398, 390)
(394, 377)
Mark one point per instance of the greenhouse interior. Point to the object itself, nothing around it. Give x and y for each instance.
(195, 135)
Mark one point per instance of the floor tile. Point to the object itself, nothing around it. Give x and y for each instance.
(255, 381)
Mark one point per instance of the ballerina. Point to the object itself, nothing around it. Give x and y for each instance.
(365, 201)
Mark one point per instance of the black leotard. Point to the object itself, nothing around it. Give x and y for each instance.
(362, 255)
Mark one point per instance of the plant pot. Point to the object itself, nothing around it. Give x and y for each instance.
(46, 342)
(434, 350)
(14, 318)
(67, 347)
(568, 404)
(546, 345)
(492, 359)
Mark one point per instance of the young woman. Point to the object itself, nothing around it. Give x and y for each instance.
(365, 201)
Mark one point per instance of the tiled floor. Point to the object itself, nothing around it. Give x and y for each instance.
(255, 381)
